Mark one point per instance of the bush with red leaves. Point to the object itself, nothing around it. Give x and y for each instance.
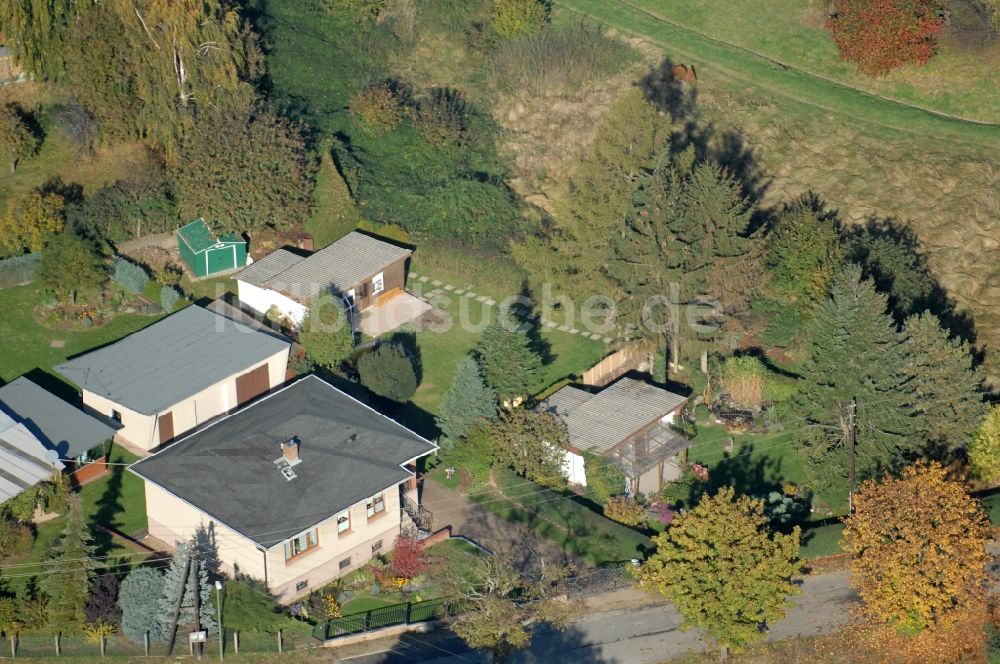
(880, 35)
(408, 557)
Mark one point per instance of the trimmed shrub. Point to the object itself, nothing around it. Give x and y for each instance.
(625, 511)
(130, 276)
(169, 297)
(408, 556)
(388, 372)
(881, 35)
(138, 598)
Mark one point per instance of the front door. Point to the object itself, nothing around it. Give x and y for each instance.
(165, 422)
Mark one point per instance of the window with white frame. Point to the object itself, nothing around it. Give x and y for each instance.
(343, 522)
(301, 543)
(378, 283)
(376, 505)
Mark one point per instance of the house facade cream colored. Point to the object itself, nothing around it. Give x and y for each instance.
(178, 374)
(148, 431)
(296, 489)
(332, 549)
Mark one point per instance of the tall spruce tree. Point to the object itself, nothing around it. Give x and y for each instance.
(631, 138)
(68, 585)
(197, 581)
(467, 401)
(508, 362)
(948, 404)
(685, 244)
(854, 352)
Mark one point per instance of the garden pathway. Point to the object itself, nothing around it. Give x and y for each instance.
(491, 531)
(429, 288)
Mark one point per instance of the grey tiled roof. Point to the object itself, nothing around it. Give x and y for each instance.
(335, 269)
(58, 425)
(348, 452)
(600, 421)
(173, 359)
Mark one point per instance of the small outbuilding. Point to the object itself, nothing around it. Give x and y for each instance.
(207, 255)
(361, 270)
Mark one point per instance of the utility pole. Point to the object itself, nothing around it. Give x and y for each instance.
(172, 636)
(197, 601)
(852, 433)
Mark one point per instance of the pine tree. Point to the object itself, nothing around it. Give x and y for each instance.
(67, 587)
(947, 402)
(466, 401)
(854, 352)
(508, 362)
(197, 578)
(139, 599)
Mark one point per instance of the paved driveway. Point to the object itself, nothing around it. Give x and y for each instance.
(489, 530)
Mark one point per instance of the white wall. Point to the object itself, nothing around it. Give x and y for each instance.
(262, 299)
(573, 468)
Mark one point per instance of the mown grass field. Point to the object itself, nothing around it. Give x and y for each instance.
(958, 81)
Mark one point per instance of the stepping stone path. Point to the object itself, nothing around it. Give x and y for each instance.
(442, 289)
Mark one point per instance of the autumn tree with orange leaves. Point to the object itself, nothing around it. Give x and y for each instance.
(919, 545)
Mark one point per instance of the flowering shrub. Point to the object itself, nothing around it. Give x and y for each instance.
(881, 35)
(700, 472)
(330, 606)
(624, 510)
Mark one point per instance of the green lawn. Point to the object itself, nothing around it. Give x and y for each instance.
(956, 81)
(789, 87)
(362, 604)
(821, 541)
(442, 348)
(28, 345)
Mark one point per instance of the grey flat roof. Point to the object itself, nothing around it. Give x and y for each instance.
(600, 421)
(173, 359)
(58, 425)
(348, 452)
(336, 268)
(23, 458)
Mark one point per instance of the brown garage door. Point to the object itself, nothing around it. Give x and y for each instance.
(252, 384)
(166, 424)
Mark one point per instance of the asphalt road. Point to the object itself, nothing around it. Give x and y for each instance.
(646, 635)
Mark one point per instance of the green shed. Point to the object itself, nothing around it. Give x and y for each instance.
(207, 255)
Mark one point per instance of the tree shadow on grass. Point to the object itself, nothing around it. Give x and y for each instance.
(109, 506)
(724, 146)
(890, 254)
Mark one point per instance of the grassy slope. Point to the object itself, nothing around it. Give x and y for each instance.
(793, 88)
(955, 81)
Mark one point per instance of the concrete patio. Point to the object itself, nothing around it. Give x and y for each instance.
(387, 315)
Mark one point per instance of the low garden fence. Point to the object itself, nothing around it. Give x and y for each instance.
(34, 645)
(407, 613)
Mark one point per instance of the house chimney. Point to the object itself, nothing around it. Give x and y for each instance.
(290, 450)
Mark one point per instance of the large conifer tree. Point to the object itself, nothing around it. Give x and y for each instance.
(508, 362)
(947, 402)
(467, 400)
(67, 586)
(854, 352)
